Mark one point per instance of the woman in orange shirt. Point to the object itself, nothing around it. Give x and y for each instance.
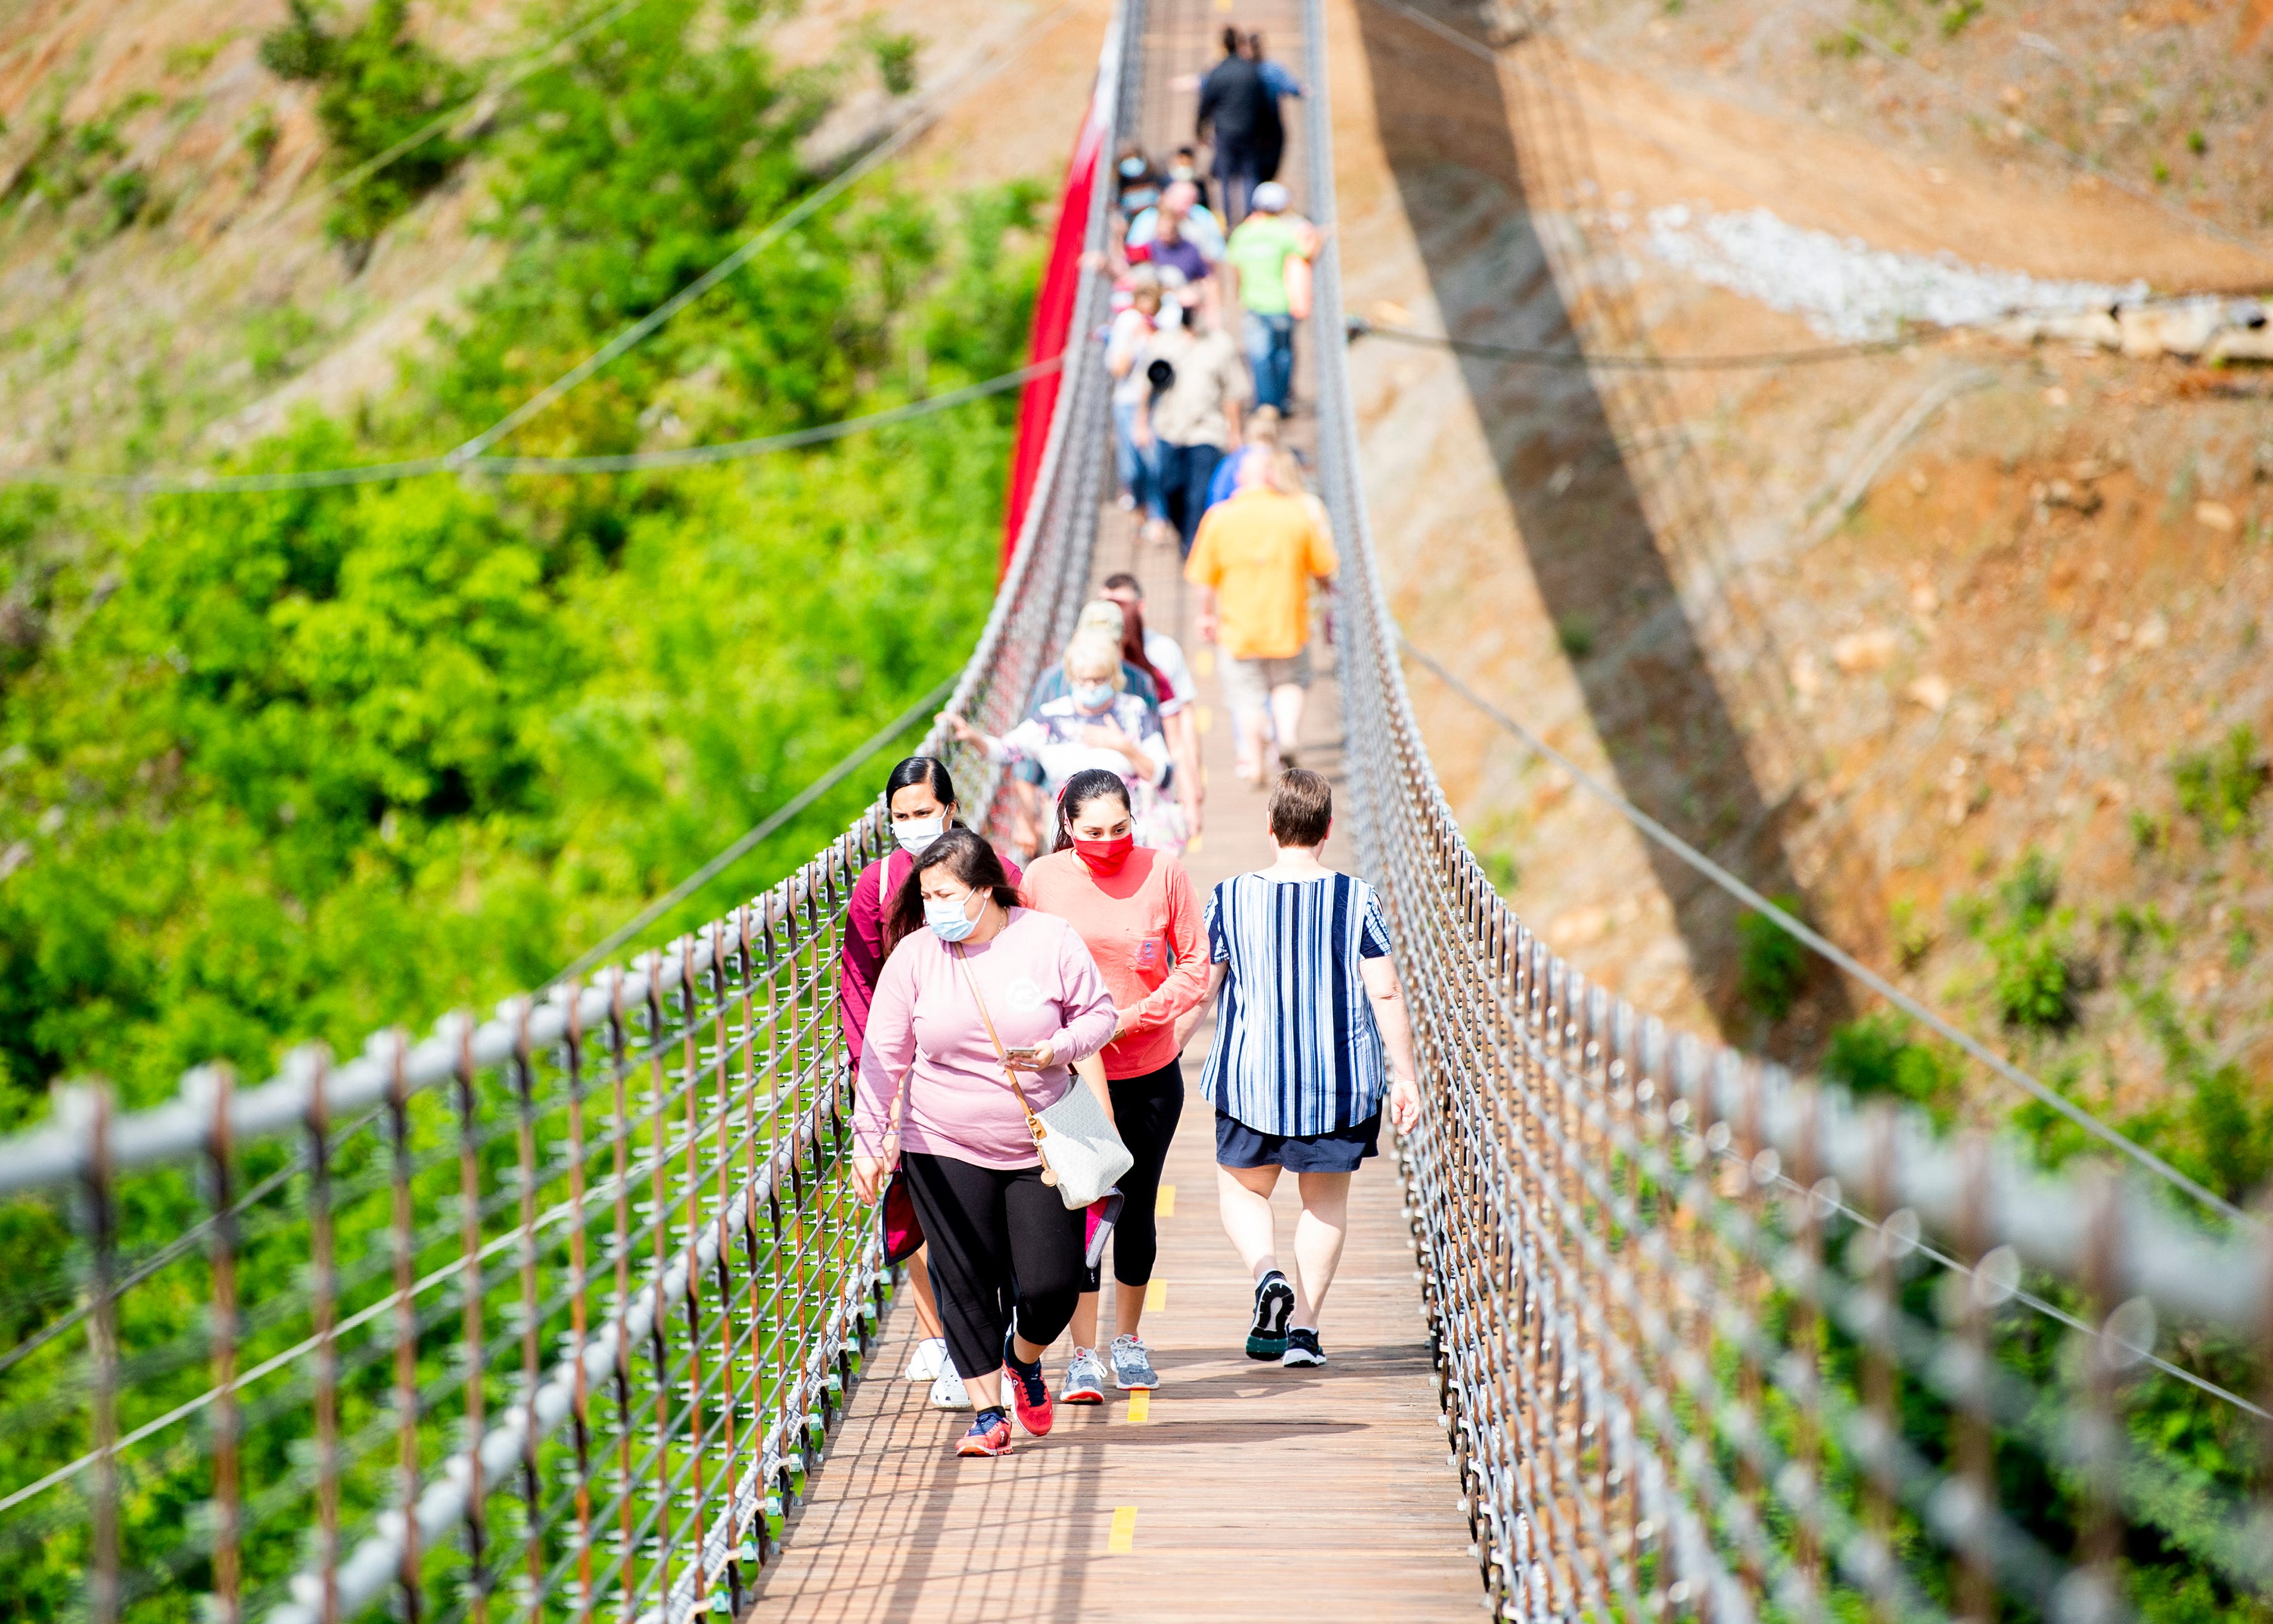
(1134, 909)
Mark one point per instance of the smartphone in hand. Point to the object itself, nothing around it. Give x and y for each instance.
(1024, 1051)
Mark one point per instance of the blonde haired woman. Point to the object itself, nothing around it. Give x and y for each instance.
(1097, 722)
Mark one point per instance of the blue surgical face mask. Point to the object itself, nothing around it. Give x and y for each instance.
(1093, 696)
(947, 919)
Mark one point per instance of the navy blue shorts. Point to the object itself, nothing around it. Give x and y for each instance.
(1239, 1146)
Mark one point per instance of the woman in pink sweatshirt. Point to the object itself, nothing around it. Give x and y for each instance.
(920, 796)
(1135, 910)
(959, 935)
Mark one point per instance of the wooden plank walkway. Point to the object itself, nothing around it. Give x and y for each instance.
(1241, 1491)
(1242, 1487)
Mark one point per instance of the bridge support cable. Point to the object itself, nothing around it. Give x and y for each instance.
(1688, 1368)
(600, 1288)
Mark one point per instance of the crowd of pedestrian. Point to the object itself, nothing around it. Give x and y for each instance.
(1017, 1037)
(1212, 275)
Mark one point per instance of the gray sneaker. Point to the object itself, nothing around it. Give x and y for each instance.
(1084, 1380)
(1132, 1365)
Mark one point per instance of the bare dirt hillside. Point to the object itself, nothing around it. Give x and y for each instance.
(1869, 631)
(167, 287)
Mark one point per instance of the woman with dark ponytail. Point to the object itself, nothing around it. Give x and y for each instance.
(1134, 909)
(919, 798)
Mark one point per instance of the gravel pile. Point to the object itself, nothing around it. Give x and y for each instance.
(1847, 289)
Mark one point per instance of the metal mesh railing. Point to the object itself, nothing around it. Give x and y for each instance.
(1714, 1343)
(544, 1315)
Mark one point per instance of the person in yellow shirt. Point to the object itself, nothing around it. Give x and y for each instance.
(1253, 562)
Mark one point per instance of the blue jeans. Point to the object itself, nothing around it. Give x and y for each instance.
(1270, 344)
(1139, 466)
(1185, 471)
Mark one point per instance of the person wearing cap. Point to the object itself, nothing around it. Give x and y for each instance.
(1198, 385)
(1257, 255)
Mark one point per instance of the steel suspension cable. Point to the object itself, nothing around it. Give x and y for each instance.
(2042, 1093)
(630, 462)
(470, 453)
(918, 120)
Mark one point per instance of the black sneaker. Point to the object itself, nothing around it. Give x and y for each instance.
(1302, 1348)
(1274, 1304)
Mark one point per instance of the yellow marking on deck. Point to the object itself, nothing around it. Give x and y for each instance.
(1156, 1297)
(1202, 718)
(1122, 1539)
(1203, 656)
(1192, 846)
(1164, 1204)
(1140, 1407)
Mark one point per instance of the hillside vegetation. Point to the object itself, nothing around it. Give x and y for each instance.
(296, 765)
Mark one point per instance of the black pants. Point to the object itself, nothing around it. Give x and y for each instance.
(1145, 1109)
(1185, 474)
(992, 1232)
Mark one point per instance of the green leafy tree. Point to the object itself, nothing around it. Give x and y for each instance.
(376, 85)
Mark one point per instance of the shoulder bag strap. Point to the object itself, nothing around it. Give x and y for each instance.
(1033, 1122)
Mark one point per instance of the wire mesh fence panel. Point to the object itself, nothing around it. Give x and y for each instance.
(546, 1314)
(1715, 1343)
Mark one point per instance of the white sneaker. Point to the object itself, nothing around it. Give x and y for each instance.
(928, 1359)
(948, 1392)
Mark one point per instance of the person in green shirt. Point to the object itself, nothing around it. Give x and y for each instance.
(1267, 242)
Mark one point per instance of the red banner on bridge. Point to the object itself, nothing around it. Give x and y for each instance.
(1052, 312)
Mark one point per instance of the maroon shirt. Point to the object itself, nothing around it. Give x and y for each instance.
(862, 959)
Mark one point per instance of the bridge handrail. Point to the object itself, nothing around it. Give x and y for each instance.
(1606, 1210)
(705, 1081)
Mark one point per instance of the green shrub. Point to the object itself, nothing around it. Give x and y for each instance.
(2035, 984)
(1875, 1055)
(895, 60)
(128, 193)
(1772, 963)
(1576, 635)
(2219, 788)
(2033, 979)
(301, 49)
(2225, 1127)
(377, 85)
(260, 134)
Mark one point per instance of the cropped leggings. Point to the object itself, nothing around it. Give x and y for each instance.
(1145, 1109)
(998, 1236)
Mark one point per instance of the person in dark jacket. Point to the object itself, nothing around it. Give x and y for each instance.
(1276, 83)
(1240, 116)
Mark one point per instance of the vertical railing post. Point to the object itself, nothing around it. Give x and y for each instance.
(221, 1254)
(102, 1576)
(472, 1348)
(325, 1294)
(405, 1246)
(524, 1091)
(572, 1055)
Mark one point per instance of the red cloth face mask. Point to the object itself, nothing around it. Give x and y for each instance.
(1105, 856)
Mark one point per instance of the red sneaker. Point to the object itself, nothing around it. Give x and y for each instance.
(989, 1435)
(1030, 1397)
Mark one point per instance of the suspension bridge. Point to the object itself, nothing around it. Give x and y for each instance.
(1633, 1326)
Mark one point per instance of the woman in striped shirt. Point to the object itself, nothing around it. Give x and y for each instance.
(1296, 1073)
